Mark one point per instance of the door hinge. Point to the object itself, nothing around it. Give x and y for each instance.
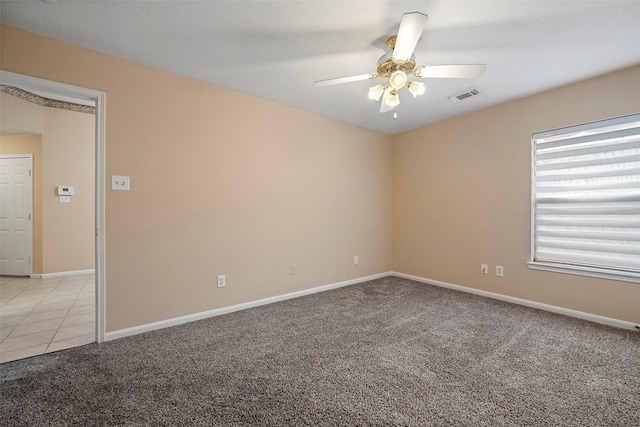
(96, 232)
(29, 216)
(29, 260)
(29, 172)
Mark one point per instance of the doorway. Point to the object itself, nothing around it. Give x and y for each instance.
(15, 214)
(70, 93)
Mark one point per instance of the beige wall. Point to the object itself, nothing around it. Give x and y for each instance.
(18, 117)
(68, 151)
(221, 183)
(29, 144)
(64, 154)
(462, 197)
(226, 183)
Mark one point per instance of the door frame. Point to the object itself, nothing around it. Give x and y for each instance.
(100, 99)
(30, 157)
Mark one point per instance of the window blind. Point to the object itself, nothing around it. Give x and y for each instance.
(586, 195)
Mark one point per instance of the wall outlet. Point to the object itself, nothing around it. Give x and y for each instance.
(484, 269)
(499, 271)
(294, 269)
(222, 281)
(356, 260)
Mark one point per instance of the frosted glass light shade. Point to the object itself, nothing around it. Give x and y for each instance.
(416, 88)
(393, 99)
(375, 92)
(398, 79)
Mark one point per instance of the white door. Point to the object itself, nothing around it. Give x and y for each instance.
(15, 215)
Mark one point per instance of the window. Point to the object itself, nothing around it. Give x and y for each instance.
(586, 199)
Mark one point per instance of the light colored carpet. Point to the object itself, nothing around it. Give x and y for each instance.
(382, 353)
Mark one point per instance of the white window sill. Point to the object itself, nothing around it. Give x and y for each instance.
(586, 271)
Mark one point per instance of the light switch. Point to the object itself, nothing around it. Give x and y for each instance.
(120, 183)
(65, 199)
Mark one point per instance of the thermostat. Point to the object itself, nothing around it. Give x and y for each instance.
(65, 190)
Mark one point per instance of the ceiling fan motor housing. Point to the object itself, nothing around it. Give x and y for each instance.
(387, 65)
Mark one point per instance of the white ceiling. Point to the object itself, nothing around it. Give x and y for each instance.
(277, 49)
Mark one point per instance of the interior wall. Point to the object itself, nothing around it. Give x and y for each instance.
(226, 183)
(64, 154)
(221, 183)
(462, 197)
(30, 144)
(68, 150)
(19, 117)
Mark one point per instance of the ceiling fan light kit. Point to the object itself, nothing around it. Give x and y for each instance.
(399, 62)
(375, 92)
(416, 88)
(393, 99)
(398, 79)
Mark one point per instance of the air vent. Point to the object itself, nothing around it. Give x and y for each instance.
(469, 93)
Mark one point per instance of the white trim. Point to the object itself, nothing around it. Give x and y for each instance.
(77, 92)
(63, 273)
(625, 276)
(49, 88)
(532, 197)
(101, 268)
(109, 336)
(230, 309)
(533, 304)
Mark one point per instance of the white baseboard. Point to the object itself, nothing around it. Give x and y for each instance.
(108, 336)
(533, 304)
(62, 274)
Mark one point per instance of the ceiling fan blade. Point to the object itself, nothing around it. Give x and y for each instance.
(450, 71)
(410, 31)
(340, 80)
(384, 107)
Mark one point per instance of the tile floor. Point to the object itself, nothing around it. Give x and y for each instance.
(39, 316)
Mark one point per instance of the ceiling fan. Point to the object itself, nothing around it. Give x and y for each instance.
(396, 65)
